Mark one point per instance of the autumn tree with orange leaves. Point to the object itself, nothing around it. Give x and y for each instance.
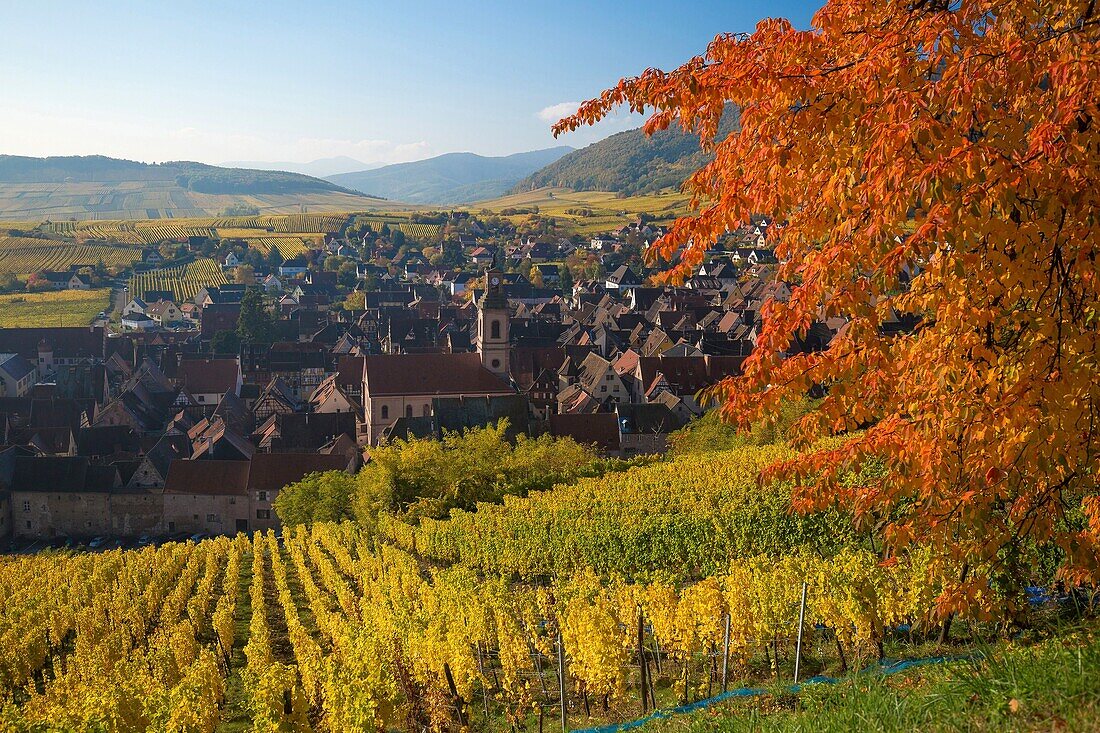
(938, 159)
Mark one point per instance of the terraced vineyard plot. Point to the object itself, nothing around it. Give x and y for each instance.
(419, 232)
(57, 308)
(184, 281)
(287, 247)
(26, 255)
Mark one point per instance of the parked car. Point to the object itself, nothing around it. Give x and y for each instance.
(97, 542)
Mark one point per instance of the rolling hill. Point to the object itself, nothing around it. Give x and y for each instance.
(320, 168)
(629, 163)
(453, 178)
(98, 187)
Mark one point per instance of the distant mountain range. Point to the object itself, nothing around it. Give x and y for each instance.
(629, 162)
(98, 187)
(319, 168)
(453, 178)
(197, 177)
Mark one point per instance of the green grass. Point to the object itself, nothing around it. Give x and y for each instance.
(1052, 685)
(53, 308)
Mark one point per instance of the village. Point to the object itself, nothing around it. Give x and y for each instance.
(178, 419)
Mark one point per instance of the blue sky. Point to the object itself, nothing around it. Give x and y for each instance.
(296, 81)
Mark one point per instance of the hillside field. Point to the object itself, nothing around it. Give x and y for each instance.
(162, 200)
(54, 308)
(644, 579)
(608, 210)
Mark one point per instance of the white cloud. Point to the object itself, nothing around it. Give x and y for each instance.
(555, 112)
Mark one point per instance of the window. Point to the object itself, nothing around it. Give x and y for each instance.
(603, 387)
(202, 399)
(494, 329)
(607, 378)
(28, 524)
(408, 410)
(495, 363)
(385, 412)
(263, 514)
(26, 506)
(261, 495)
(615, 388)
(212, 517)
(427, 410)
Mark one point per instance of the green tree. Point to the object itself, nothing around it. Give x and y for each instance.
(429, 478)
(274, 259)
(347, 274)
(566, 278)
(245, 275)
(226, 342)
(256, 323)
(318, 497)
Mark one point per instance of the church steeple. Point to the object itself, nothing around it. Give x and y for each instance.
(492, 325)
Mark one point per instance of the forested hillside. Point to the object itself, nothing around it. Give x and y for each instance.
(453, 178)
(630, 162)
(197, 177)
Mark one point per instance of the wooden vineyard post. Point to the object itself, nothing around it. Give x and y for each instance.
(643, 667)
(460, 704)
(561, 683)
(726, 654)
(798, 644)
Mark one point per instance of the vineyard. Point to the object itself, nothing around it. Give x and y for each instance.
(419, 232)
(184, 281)
(25, 255)
(340, 628)
(52, 308)
(286, 246)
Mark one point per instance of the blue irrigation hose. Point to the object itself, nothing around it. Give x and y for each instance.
(884, 667)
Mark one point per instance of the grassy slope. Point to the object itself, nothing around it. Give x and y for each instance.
(609, 210)
(56, 308)
(161, 200)
(1053, 685)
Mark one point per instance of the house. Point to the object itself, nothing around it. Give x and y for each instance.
(623, 278)
(209, 379)
(17, 376)
(456, 283)
(165, 313)
(603, 243)
(231, 260)
(135, 306)
(293, 267)
(69, 496)
(138, 322)
(79, 282)
(404, 385)
(272, 284)
(57, 280)
(152, 470)
(330, 397)
(549, 273)
(206, 496)
(482, 257)
(269, 473)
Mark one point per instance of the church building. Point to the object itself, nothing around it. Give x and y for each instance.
(404, 385)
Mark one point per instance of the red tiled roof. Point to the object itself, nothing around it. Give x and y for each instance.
(600, 429)
(208, 376)
(273, 471)
(429, 374)
(215, 478)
